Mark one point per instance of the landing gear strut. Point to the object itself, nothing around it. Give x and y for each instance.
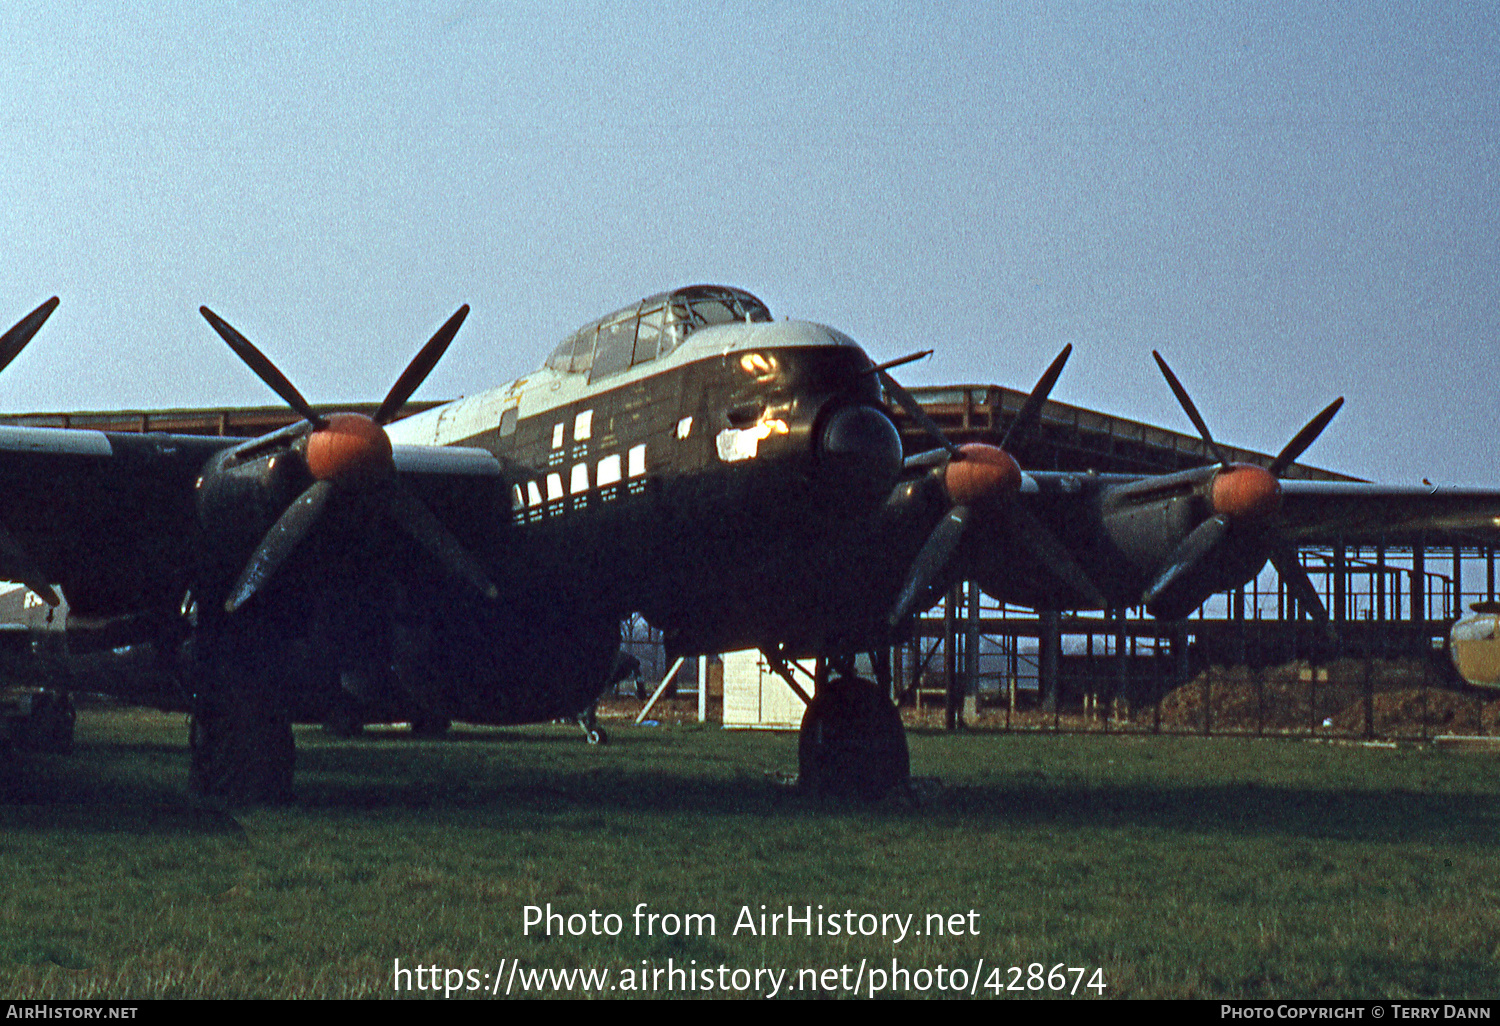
(241, 752)
(588, 720)
(852, 742)
(240, 734)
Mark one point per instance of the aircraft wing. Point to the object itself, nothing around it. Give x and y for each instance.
(1328, 511)
(110, 516)
(113, 516)
(1161, 540)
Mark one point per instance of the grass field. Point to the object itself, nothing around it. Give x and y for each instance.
(1179, 866)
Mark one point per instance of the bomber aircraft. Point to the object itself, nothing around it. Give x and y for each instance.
(737, 479)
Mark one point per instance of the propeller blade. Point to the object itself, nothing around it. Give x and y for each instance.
(914, 410)
(280, 540)
(1284, 558)
(931, 561)
(263, 368)
(14, 340)
(926, 460)
(899, 361)
(1304, 438)
(1190, 552)
(1051, 553)
(1031, 410)
(15, 557)
(421, 365)
(28, 573)
(1191, 410)
(418, 521)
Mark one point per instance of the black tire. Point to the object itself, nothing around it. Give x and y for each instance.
(244, 755)
(852, 743)
(243, 751)
(597, 736)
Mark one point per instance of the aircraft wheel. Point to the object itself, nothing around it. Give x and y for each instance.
(597, 736)
(852, 743)
(242, 752)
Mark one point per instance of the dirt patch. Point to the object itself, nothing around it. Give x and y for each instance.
(1422, 711)
(1406, 698)
(666, 710)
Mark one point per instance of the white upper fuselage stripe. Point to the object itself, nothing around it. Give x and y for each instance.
(547, 389)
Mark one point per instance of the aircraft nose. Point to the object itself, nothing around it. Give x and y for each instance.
(862, 440)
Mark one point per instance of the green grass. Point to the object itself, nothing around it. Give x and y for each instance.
(1183, 867)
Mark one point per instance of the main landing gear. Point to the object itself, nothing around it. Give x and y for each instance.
(242, 752)
(241, 730)
(852, 743)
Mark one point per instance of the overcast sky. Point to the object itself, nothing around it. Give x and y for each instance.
(1292, 201)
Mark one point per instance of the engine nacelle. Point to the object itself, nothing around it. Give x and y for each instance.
(240, 498)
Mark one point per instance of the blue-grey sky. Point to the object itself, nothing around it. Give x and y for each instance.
(1292, 201)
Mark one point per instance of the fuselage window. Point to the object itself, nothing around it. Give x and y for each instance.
(652, 329)
(583, 356)
(583, 352)
(648, 336)
(508, 421)
(686, 315)
(609, 471)
(616, 344)
(707, 312)
(576, 352)
(678, 327)
(751, 309)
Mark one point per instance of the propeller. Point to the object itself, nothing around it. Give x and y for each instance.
(15, 557)
(349, 453)
(1241, 494)
(14, 340)
(908, 402)
(978, 476)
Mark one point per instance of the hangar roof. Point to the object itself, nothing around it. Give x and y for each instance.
(1066, 437)
(1071, 437)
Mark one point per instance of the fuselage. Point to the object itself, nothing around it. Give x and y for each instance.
(729, 486)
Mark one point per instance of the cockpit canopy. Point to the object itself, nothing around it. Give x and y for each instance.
(652, 328)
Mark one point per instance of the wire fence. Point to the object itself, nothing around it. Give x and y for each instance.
(1372, 681)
